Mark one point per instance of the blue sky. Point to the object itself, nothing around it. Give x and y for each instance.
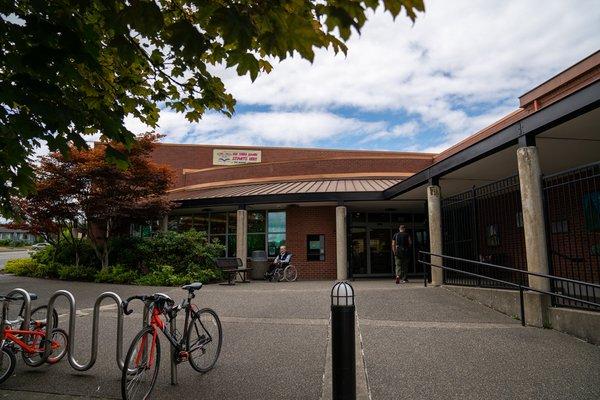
(405, 87)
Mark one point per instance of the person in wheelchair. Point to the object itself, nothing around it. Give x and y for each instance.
(281, 261)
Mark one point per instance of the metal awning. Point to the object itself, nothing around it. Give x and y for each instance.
(306, 190)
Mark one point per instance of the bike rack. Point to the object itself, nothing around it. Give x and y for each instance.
(95, 327)
(26, 307)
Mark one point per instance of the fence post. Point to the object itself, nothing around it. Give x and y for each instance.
(343, 351)
(522, 305)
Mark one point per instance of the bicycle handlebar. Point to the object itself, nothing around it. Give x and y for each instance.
(125, 303)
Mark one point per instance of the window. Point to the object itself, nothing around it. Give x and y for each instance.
(218, 224)
(256, 221)
(315, 247)
(275, 231)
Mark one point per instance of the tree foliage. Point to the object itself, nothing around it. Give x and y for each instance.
(83, 192)
(71, 68)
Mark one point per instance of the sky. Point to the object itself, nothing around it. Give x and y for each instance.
(407, 87)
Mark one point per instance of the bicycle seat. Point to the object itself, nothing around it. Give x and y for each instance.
(192, 286)
(18, 296)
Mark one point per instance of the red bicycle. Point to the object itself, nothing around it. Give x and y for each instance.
(200, 343)
(30, 342)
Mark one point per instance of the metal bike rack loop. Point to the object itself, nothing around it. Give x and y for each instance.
(95, 328)
(27, 310)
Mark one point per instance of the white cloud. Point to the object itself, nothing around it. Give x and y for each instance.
(459, 55)
(281, 128)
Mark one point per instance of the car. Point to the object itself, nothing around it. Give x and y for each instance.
(37, 247)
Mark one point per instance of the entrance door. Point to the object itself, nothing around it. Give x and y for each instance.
(380, 246)
(358, 251)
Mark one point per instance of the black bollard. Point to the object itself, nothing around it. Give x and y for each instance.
(343, 353)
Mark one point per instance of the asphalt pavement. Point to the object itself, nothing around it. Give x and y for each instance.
(10, 255)
(418, 343)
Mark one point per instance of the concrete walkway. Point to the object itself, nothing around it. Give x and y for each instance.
(419, 343)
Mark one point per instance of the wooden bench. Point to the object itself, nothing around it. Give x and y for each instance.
(232, 267)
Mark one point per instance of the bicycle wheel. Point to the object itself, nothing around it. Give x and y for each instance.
(40, 313)
(290, 273)
(141, 366)
(7, 363)
(204, 338)
(60, 345)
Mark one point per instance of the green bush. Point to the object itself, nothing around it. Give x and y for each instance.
(117, 274)
(163, 275)
(187, 252)
(13, 243)
(73, 273)
(64, 253)
(21, 267)
(49, 270)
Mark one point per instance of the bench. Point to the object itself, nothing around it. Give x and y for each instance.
(232, 267)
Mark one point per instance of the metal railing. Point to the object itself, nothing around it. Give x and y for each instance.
(485, 223)
(593, 302)
(572, 213)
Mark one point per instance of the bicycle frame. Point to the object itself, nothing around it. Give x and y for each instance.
(12, 335)
(157, 323)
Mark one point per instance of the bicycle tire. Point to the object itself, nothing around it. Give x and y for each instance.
(65, 348)
(44, 314)
(193, 330)
(290, 273)
(37, 359)
(128, 358)
(7, 354)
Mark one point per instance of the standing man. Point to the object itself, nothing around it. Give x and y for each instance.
(401, 245)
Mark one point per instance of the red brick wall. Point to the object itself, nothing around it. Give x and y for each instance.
(180, 157)
(312, 167)
(303, 221)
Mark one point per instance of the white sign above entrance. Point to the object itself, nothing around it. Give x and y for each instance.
(233, 157)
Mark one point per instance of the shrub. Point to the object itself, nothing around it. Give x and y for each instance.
(64, 253)
(117, 274)
(21, 267)
(49, 270)
(13, 243)
(185, 252)
(73, 273)
(163, 275)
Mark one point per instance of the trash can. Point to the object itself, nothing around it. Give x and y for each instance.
(259, 264)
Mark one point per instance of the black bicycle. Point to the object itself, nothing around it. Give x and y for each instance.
(200, 343)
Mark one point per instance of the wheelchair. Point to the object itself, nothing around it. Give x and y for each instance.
(287, 273)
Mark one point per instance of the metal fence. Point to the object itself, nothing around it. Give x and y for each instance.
(485, 224)
(572, 207)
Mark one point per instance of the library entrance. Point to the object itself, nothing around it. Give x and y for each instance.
(370, 242)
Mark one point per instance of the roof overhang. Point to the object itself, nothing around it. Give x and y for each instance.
(566, 109)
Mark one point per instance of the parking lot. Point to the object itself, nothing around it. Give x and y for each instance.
(417, 342)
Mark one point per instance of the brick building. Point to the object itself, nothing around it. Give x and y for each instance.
(336, 210)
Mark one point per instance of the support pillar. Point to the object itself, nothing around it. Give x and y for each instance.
(530, 179)
(241, 240)
(341, 243)
(164, 224)
(434, 208)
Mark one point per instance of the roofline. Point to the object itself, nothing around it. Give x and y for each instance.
(571, 106)
(574, 71)
(219, 146)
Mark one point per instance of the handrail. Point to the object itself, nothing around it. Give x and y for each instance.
(514, 269)
(521, 287)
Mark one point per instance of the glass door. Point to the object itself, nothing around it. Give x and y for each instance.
(358, 251)
(380, 248)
